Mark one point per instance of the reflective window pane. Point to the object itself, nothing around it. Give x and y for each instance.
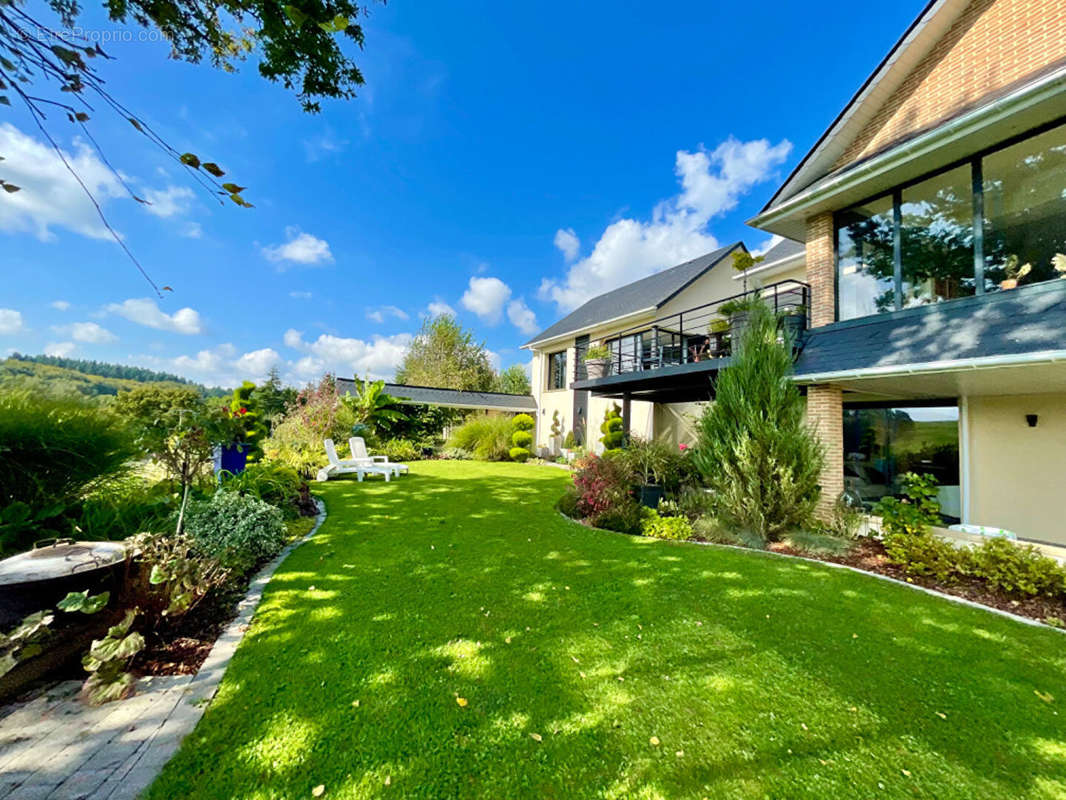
(883, 444)
(864, 259)
(1025, 211)
(936, 230)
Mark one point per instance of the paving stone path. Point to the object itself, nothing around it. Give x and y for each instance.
(55, 747)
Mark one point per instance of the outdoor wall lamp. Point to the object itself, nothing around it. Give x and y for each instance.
(1031, 419)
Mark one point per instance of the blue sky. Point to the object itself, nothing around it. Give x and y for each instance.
(504, 161)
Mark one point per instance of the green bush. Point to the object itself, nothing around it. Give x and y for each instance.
(518, 454)
(316, 414)
(611, 428)
(1017, 570)
(522, 439)
(660, 527)
(523, 422)
(52, 451)
(624, 516)
(569, 442)
(567, 504)
(651, 461)
(926, 555)
(708, 529)
(455, 454)
(401, 450)
(818, 544)
(272, 482)
(487, 437)
(755, 449)
(125, 506)
(916, 512)
(237, 530)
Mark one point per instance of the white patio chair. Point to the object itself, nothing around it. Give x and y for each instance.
(361, 467)
(360, 455)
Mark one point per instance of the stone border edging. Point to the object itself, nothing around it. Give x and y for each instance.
(115, 751)
(933, 592)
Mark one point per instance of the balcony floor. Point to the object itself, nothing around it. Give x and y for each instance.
(678, 383)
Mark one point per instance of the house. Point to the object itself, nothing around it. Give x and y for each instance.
(932, 214)
(666, 334)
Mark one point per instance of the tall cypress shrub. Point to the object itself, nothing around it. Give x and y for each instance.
(756, 452)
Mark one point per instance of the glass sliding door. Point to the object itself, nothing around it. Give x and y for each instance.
(1025, 211)
(865, 259)
(883, 443)
(936, 235)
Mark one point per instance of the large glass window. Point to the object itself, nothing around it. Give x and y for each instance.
(882, 444)
(557, 370)
(936, 238)
(918, 244)
(864, 259)
(1025, 211)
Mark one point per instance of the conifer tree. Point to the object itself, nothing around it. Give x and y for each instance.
(756, 451)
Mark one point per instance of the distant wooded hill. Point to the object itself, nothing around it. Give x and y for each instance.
(92, 378)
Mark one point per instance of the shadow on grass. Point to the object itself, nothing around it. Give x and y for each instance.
(757, 676)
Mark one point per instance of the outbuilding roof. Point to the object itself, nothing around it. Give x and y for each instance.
(450, 398)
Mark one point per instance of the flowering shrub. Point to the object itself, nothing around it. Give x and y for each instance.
(601, 482)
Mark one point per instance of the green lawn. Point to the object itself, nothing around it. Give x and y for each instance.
(600, 665)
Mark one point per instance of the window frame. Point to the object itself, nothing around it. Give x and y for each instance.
(974, 160)
(554, 373)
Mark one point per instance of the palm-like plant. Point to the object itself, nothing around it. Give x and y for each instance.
(373, 407)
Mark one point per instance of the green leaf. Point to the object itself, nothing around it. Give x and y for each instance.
(136, 124)
(4, 101)
(213, 168)
(340, 22)
(190, 160)
(74, 601)
(233, 188)
(236, 198)
(158, 575)
(81, 116)
(295, 15)
(10, 188)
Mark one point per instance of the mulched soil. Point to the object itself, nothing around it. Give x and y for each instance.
(869, 555)
(181, 648)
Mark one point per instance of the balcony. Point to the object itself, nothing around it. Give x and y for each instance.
(672, 358)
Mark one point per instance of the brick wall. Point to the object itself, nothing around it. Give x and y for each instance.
(825, 414)
(992, 44)
(821, 269)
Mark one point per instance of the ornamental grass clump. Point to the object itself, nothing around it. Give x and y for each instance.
(755, 451)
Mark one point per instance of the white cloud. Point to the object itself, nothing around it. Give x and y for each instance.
(191, 230)
(50, 196)
(294, 339)
(60, 305)
(568, 243)
(438, 308)
(298, 295)
(219, 366)
(711, 184)
(10, 321)
(324, 144)
(522, 317)
(60, 349)
(300, 248)
(771, 242)
(380, 314)
(145, 311)
(168, 202)
(88, 332)
(486, 298)
(377, 358)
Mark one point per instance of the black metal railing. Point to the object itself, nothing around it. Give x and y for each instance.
(702, 332)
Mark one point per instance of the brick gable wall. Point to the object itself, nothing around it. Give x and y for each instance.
(993, 44)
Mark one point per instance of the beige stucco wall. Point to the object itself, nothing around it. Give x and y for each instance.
(675, 423)
(1016, 472)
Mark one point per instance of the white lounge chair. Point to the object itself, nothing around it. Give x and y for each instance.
(360, 467)
(359, 454)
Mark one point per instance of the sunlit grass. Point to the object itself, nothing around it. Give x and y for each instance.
(464, 640)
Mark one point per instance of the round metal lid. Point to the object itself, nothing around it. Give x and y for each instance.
(59, 560)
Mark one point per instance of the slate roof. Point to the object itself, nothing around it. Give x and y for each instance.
(451, 398)
(1031, 319)
(649, 292)
(786, 248)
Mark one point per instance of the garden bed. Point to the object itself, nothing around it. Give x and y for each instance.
(868, 554)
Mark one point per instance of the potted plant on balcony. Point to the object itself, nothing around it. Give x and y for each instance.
(718, 337)
(1015, 272)
(737, 311)
(794, 321)
(597, 361)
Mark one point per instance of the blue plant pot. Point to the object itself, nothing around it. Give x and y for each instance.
(234, 457)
